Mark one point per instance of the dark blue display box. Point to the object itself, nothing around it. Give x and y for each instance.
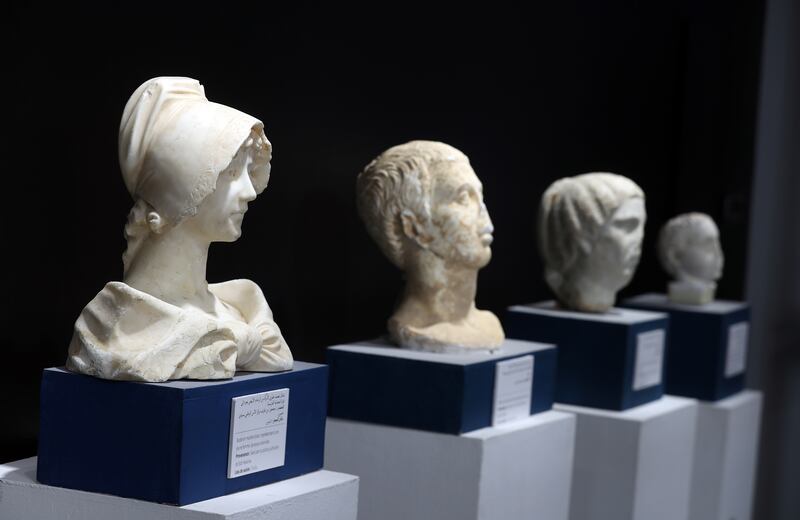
(168, 442)
(379, 383)
(707, 345)
(611, 360)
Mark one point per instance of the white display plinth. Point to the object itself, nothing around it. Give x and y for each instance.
(725, 457)
(518, 470)
(319, 495)
(634, 464)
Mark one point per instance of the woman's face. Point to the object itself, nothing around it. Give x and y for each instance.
(460, 224)
(219, 217)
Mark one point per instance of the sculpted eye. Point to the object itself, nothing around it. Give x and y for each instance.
(627, 224)
(463, 198)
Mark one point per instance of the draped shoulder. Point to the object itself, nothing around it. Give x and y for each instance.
(127, 334)
(246, 296)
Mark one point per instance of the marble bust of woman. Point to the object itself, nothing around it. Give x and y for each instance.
(423, 205)
(192, 167)
(591, 228)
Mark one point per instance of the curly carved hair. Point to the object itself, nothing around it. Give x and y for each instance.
(397, 181)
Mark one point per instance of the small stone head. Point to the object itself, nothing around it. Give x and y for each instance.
(690, 250)
(590, 233)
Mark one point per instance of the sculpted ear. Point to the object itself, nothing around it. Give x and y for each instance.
(155, 222)
(414, 230)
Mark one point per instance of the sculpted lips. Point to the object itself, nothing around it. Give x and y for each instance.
(486, 235)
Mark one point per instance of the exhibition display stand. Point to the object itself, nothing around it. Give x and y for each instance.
(450, 435)
(707, 345)
(237, 448)
(707, 360)
(320, 495)
(634, 464)
(633, 445)
(182, 441)
(612, 360)
(725, 457)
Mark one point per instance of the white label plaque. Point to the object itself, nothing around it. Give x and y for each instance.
(513, 385)
(258, 432)
(649, 359)
(736, 354)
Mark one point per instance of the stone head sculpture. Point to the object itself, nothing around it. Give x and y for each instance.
(690, 251)
(590, 236)
(192, 167)
(423, 205)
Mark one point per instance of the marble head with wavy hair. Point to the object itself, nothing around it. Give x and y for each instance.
(590, 232)
(423, 205)
(398, 181)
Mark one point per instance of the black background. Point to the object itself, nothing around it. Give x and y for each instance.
(661, 92)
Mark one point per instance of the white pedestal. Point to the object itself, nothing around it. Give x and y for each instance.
(516, 471)
(635, 464)
(319, 495)
(725, 457)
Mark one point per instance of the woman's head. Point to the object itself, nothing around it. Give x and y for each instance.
(188, 161)
(174, 143)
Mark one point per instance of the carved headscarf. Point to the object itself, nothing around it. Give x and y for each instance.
(174, 142)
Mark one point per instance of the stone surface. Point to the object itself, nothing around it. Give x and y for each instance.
(423, 205)
(590, 236)
(192, 167)
(690, 251)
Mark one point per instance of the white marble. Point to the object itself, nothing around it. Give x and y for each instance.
(423, 205)
(192, 167)
(590, 236)
(690, 251)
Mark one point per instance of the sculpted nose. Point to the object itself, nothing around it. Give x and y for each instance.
(488, 226)
(248, 191)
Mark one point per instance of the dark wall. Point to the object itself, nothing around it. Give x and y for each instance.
(664, 94)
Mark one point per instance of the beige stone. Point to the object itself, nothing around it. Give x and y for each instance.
(423, 205)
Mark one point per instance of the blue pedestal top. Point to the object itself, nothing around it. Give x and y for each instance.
(611, 360)
(168, 442)
(707, 350)
(376, 382)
